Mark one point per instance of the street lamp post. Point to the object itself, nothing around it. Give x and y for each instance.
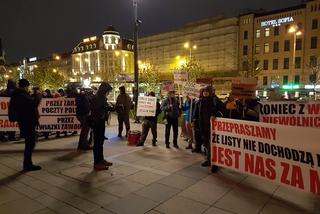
(295, 32)
(190, 48)
(137, 23)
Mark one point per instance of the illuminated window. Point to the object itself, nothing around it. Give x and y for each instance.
(267, 32)
(258, 34)
(257, 49)
(266, 48)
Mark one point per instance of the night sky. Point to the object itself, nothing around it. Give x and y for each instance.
(42, 27)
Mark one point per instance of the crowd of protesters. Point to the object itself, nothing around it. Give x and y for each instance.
(92, 109)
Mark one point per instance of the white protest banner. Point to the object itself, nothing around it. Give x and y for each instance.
(291, 113)
(147, 106)
(167, 86)
(180, 77)
(5, 124)
(56, 114)
(192, 89)
(272, 152)
(244, 88)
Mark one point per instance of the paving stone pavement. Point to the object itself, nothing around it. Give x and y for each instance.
(148, 179)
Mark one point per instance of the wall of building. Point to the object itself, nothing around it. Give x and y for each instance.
(216, 40)
(298, 70)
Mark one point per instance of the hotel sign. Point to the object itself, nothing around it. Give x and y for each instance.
(277, 22)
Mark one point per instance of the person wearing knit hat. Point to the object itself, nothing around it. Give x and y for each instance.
(25, 111)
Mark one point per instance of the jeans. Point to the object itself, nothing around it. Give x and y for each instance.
(174, 123)
(98, 136)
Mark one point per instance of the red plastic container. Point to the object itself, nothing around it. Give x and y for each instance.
(133, 137)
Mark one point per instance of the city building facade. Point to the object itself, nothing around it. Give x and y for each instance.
(281, 46)
(96, 59)
(212, 42)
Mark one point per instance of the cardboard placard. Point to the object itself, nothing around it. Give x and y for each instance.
(147, 106)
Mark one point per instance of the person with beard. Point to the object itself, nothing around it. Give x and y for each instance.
(96, 120)
(207, 110)
(24, 109)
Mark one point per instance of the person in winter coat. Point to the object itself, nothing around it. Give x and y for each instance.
(207, 110)
(82, 111)
(171, 107)
(123, 106)
(24, 109)
(98, 109)
(150, 123)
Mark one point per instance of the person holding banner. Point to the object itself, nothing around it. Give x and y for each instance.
(150, 123)
(24, 109)
(96, 121)
(172, 113)
(83, 111)
(207, 109)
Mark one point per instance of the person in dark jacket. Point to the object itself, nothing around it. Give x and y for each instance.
(123, 106)
(82, 111)
(98, 109)
(196, 126)
(26, 113)
(150, 123)
(207, 110)
(172, 112)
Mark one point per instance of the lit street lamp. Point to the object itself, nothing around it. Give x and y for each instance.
(295, 32)
(190, 48)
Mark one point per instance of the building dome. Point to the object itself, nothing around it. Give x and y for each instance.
(111, 30)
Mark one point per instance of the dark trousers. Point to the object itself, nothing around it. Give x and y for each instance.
(174, 123)
(147, 124)
(83, 139)
(29, 133)
(98, 136)
(123, 118)
(206, 142)
(198, 138)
